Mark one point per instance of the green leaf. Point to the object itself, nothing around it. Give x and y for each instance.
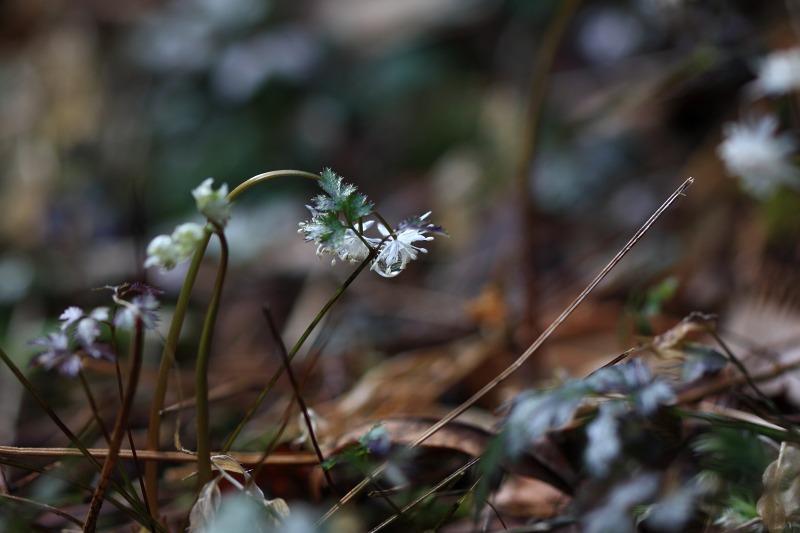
(342, 197)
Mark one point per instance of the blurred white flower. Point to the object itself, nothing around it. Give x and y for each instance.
(87, 327)
(754, 152)
(162, 252)
(779, 72)
(186, 237)
(70, 316)
(166, 251)
(213, 204)
(143, 307)
(56, 354)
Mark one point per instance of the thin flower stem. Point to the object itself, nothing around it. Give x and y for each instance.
(295, 349)
(201, 368)
(167, 359)
(90, 525)
(385, 224)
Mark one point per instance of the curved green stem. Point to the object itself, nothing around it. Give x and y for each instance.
(171, 343)
(235, 193)
(201, 368)
(295, 349)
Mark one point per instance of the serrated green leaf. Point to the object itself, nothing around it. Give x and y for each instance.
(332, 184)
(341, 197)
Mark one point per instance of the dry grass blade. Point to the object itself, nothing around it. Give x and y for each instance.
(287, 364)
(531, 349)
(449, 479)
(246, 458)
(47, 409)
(42, 506)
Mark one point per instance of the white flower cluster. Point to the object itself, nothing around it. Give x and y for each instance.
(393, 252)
(337, 227)
(166, 251)
(57, 349)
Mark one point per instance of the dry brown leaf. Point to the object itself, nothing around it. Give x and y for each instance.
(529, 498)
(410, 383)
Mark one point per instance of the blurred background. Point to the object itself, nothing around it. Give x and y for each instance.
(540, 133)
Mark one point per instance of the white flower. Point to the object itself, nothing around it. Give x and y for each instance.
(314, 229)
(753, 152)
(88, 326)
(352, 248)
(143, 306)
(213, 204)
(398, 250)
(779, 72)
(167, 251)
(70, 316)
(56, 354)
(162, 252)
(186, 237)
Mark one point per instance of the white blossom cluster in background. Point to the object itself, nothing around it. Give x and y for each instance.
(753, 149)
(779, 73)
(80, 332)
(337, 227)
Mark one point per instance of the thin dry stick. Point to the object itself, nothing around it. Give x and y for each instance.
(299, 397)
(531, 349)
(90, 525)
(313, 358)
